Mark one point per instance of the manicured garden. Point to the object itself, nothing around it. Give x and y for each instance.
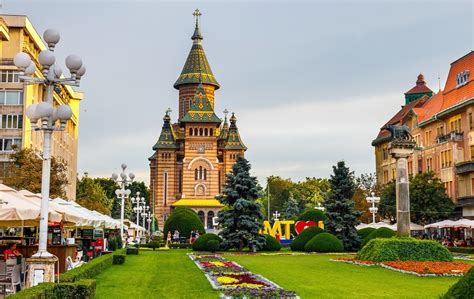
(172, 274)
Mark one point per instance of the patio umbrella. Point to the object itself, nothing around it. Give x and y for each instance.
(374, 225)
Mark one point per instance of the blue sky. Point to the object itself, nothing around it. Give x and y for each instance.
(310, 82)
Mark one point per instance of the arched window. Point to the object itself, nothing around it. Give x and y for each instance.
(195, 131)
(210, 215)
(201, 216)
(195, 174)
(200, 172)
(191, 131)
(210, 132)
(201, 132)
(205, 132)
(205, 174)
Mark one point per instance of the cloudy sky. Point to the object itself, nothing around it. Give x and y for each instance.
(310, 82)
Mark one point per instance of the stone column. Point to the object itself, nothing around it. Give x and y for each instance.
(40, 269)
(401, 151)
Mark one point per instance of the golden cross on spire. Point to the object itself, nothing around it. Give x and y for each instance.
(197, 14)
(225, 112)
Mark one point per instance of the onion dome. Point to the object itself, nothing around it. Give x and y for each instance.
(233, 139)
(166, 139)
(196, 69)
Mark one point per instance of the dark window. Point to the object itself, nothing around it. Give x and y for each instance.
(205, 132)
(210, 132)
(195, 131)
(201, 132)
(210, 215)
(165, 191)
(201, 216)
(191, 131)
(205, 174)
(195, 174)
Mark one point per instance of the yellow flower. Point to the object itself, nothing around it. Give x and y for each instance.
(226, 280)
(250, 285)
(218, 264)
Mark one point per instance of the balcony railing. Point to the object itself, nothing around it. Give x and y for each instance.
(451, 136)
(465, 167)
(6, 61)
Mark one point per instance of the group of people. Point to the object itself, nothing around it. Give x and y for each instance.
(457, 242)
(175, 237)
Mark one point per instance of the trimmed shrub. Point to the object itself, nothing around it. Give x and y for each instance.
(463, 289)
(300, 241)
(404, 249)
(324, 242)
(271, 244)
(90, 269)
(112, 246)
(118, 259)
(201, 243)
(213, 245)
(84, 288)
(154, 245)
(132, 250)
(313, 214)
(365, 232)
(381, 232)
(466, 250)
(184, 220)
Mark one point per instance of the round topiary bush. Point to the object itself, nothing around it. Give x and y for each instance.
(271, 244)
(314, 215)
(382, 232)
(184, 220)
(201, 243)
(363, 233)
(300, 241)
(463, 289)
(213, 245)
(324, 242)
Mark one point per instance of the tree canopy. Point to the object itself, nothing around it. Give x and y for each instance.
(92, 196)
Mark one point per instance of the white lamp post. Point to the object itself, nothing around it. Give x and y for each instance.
(121, 193)
(49, 116)
(320, 207)
(276, 216)
(373, 209)
(140, 202)
(149, 220)
(145, 214)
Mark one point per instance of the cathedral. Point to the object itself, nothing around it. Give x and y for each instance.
(192, 156)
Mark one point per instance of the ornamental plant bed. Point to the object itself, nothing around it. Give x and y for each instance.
(419, 268)
(263, 293)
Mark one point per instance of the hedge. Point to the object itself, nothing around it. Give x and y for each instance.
(381, 232)
(184, 220)
(365, 232)
(405, 249)
(201, 243)
(180, 246)
(300, 241)
(84, 289)
(213, 245)
(314, 215)
(463, 289)
(271, 244)
(132, 250)
(118, 259)
(91, 268)
(467, 250)
(324, 242)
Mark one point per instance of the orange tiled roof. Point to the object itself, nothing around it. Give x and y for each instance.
(454, 94)
(420, 86)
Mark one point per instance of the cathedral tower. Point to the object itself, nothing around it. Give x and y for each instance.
(193, 155)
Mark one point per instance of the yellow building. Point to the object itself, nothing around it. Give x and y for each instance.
(17, 34)
(442, 126)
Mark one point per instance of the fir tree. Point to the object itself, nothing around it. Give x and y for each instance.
(292, 208)
(241, 219)
(342, 216)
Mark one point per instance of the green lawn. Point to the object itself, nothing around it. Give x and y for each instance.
(154, 274)
(171, 274)
(314, 276)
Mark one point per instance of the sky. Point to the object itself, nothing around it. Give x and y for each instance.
(311, 82)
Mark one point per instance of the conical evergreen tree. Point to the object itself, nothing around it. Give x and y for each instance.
(342, 216)
(292, 208)
(241, 219)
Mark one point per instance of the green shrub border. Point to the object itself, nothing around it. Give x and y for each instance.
(84, 289)
(132, 250)
(466, 250)
(118, 259)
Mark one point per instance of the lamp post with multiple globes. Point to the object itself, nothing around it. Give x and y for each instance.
(373, 209)
(140, 202)
(45, 111)
(123, 193)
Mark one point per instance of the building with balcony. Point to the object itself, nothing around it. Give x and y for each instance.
(17, 34)
(442, 126)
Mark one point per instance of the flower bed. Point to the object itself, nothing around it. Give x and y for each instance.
(236, 281)
(419, 268)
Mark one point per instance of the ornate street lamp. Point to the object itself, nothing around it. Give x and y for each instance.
(121, 193)
(149, 220)
(45, 111)
(373, 209)
(145, 211)
(140, 202)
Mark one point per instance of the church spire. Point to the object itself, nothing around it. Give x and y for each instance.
(166, 139)
(225, 127)
(200, 109)
(233, 140)
(196, 69)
